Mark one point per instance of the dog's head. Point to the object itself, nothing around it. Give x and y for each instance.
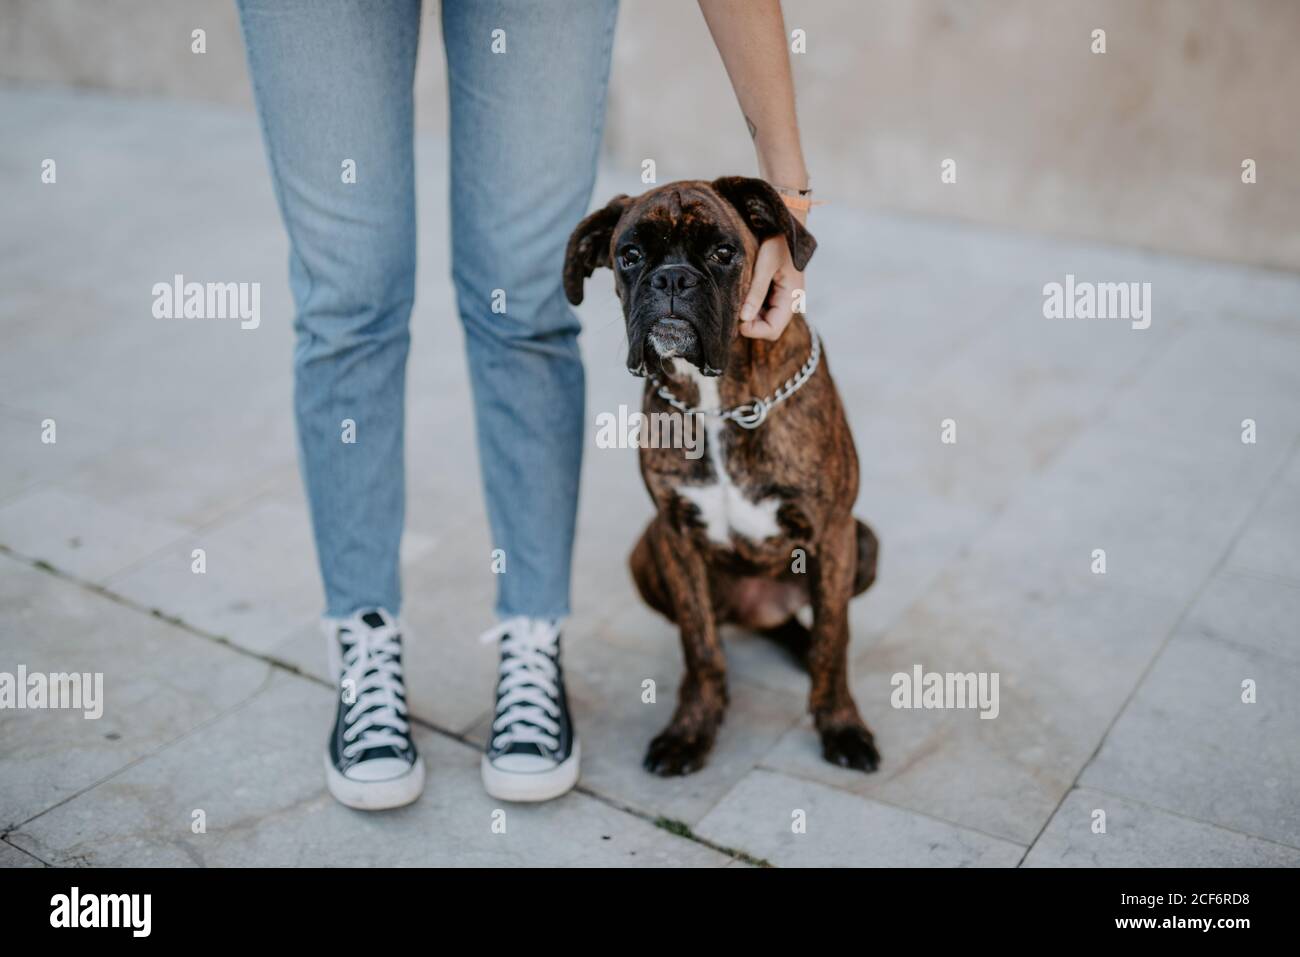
(682, 256)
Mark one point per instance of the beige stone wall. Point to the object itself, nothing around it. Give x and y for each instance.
(1142, 145)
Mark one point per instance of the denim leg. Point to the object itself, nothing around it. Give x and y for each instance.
(526, 121)
(333, 82)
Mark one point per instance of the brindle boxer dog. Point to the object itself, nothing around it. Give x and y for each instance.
(732, 525)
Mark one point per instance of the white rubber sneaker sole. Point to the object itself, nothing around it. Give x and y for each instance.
(375, 795)
(531, 787)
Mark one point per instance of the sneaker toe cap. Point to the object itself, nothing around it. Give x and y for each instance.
(523, 763)
(378, 769)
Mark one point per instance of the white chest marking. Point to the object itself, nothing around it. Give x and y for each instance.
(723, 507)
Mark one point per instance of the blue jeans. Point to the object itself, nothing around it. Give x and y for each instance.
(333, 82)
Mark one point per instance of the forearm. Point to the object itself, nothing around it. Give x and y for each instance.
(750, 37)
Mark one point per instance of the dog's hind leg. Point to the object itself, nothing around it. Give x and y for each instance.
(792, 634)
(846, 740)
(868, 553)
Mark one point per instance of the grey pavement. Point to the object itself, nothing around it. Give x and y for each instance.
(1120, 693)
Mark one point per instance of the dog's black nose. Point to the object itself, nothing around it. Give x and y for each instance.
(674, 279)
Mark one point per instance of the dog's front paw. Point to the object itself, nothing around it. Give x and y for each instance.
(850, 746)
(674, 752)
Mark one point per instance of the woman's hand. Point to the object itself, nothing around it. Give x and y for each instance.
(769, 304)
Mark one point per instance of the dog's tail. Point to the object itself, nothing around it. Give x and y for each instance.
(868, 552)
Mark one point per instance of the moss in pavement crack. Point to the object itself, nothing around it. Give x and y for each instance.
(682, 829)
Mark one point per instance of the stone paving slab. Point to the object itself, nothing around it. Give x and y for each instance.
(1244, 610)
(1140, 836)
(260, 582)
(268, 804)
(1187, 742)
(764, 810)
(80, 536)
(1162, 481)
(29, 462)
(159, 683)
(201, 465)
(1270, 545)
(11, 856)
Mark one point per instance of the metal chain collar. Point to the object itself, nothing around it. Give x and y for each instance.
(753, 414)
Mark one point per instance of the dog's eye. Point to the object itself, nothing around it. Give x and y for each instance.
(724, 254)
(629, 256)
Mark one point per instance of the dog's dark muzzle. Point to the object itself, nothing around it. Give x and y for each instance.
(666, 322)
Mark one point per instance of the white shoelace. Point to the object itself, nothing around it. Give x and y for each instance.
(528, 685)
(370, 663)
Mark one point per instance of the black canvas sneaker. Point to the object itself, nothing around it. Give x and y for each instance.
(532, 754)
(371, 763)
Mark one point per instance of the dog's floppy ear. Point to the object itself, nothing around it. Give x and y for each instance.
(589, 246)
(763, 211)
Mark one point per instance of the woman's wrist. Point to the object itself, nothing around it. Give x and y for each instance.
(787, 172)
(791, 181)
(795, 191)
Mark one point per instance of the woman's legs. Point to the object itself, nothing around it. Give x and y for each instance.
(333, 80)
